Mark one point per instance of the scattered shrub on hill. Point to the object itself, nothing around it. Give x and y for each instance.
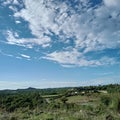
(106, 100)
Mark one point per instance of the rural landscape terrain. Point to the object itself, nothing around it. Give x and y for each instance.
(59, 59)
(74, 103)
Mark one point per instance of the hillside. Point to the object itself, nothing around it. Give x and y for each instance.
(79, 103)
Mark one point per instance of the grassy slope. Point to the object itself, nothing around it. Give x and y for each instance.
(90, 106)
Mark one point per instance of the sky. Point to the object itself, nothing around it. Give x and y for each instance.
(59, 43)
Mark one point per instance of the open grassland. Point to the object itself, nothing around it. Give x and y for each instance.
(69, 104)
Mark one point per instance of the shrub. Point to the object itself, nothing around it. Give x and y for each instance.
(64, 99)
(115, 105)
(106, 100)
(13, 118)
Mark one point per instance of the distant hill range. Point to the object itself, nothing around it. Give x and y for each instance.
(47, 91)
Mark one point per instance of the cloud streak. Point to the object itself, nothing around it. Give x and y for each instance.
(25, 56)
(70, 58)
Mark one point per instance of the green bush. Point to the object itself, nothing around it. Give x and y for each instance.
(13, 118)
(115, 105)
(106, 100)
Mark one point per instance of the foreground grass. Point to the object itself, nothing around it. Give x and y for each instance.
(88, 106)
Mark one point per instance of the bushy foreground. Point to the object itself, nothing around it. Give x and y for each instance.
(70, 104)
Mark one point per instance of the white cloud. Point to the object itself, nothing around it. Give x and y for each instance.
(13, 8)
(6, 54)
(19, 57)
(13, 38)
(16, 2)
(7, 2)
(70, 58)
(67, 57)
(39, 17)
(25, 56)
(93, 28)
(112, 3)
(17, 21)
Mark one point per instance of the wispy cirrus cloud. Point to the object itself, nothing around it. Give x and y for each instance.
(70, 58)
(6, 54)
(82, 25)
(13, 38)
(25, 56)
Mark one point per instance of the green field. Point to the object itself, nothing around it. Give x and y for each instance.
(89, 103)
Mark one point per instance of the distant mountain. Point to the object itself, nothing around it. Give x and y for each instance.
(8, 91)
(28, 89)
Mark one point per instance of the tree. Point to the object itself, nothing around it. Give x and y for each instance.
(64, 99)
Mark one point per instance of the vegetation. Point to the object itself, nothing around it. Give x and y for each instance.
(80, 103)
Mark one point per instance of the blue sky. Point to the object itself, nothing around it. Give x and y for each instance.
(59, 43)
